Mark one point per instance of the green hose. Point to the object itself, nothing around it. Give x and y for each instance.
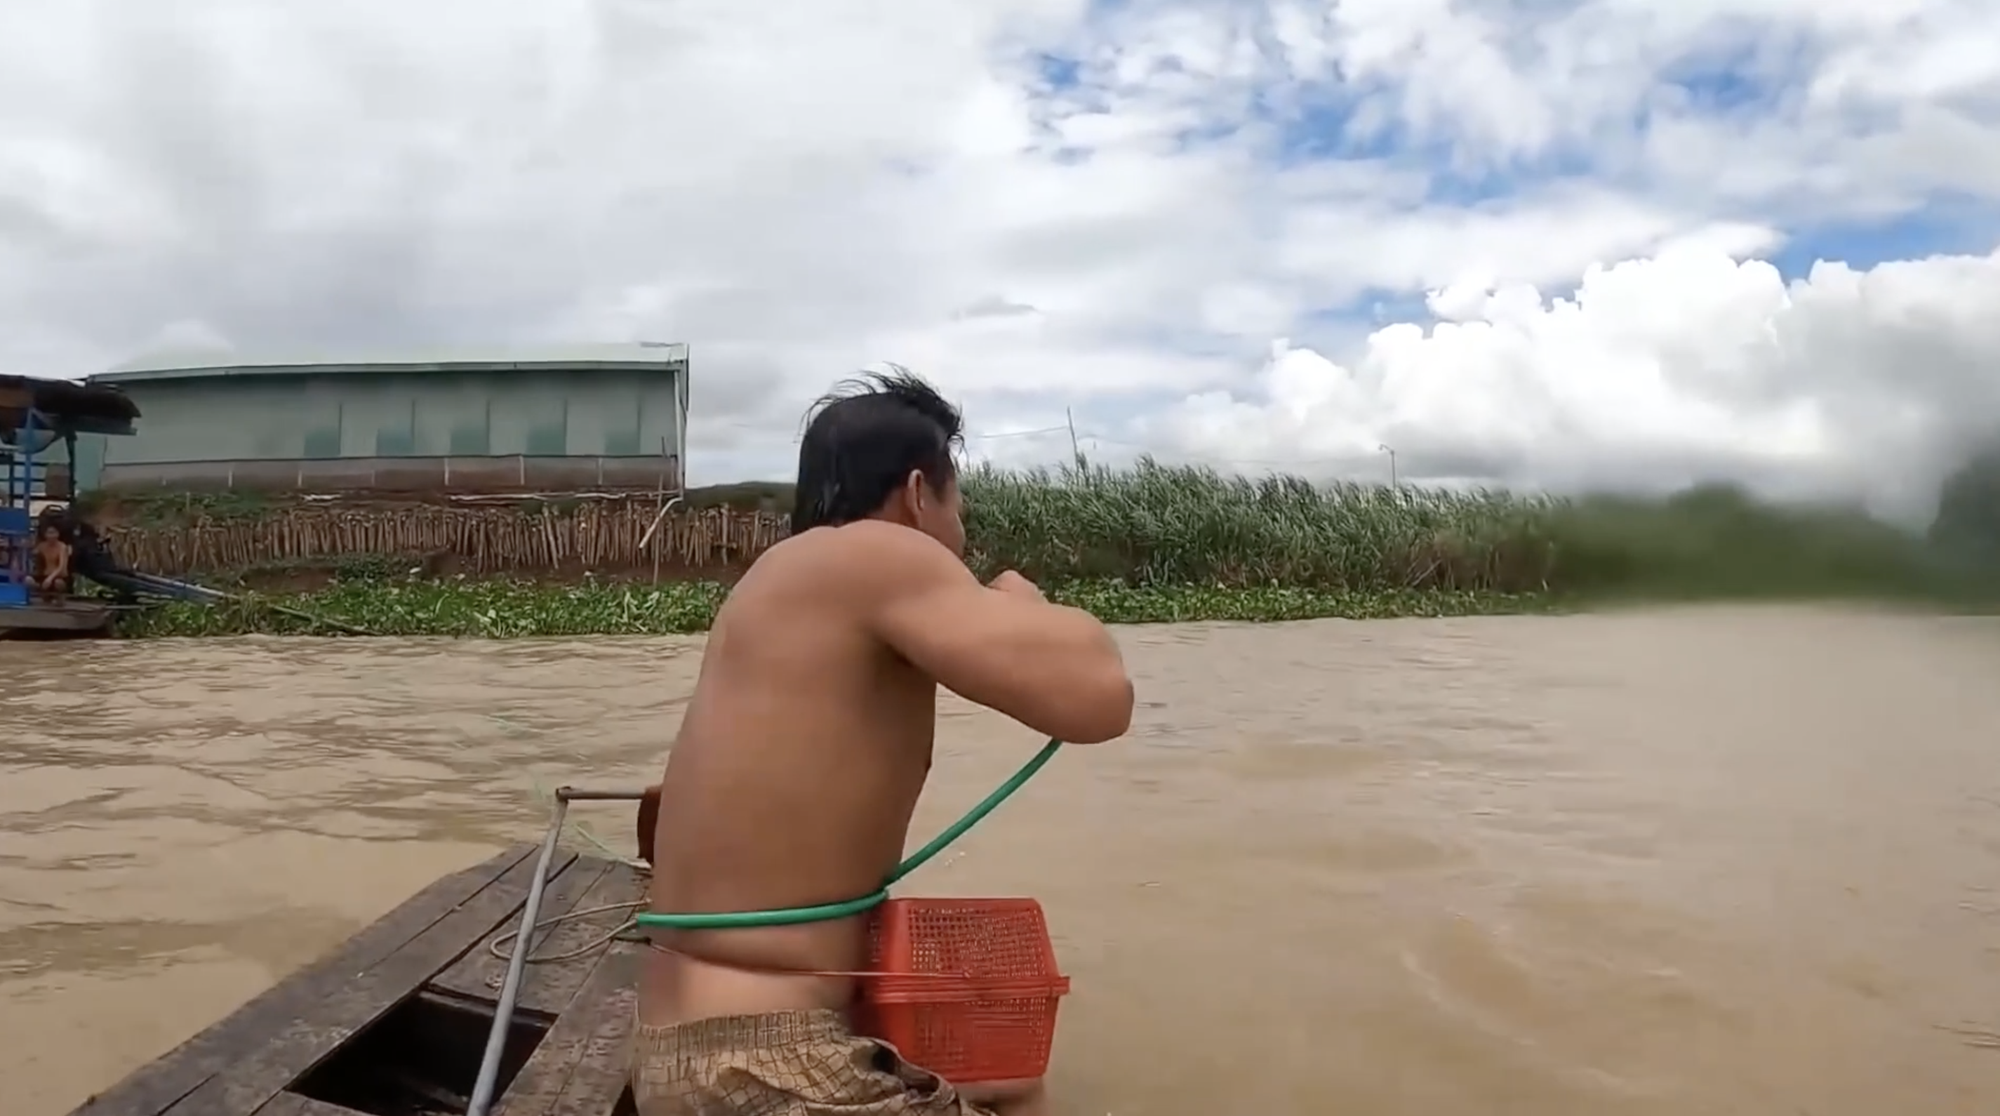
(827, 912)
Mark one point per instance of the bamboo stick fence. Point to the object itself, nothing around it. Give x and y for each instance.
(594, 535)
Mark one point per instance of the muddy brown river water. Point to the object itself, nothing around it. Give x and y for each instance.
(1709, 861)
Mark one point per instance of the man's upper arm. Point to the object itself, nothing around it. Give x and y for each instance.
(1052, 668)
(925, 603)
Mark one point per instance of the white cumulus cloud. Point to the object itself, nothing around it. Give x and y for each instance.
(1684, 368)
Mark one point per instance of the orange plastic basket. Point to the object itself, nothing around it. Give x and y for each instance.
(965, 988)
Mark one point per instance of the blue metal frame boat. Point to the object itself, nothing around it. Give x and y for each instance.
(35, 414)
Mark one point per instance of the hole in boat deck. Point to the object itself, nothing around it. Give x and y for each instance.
(420, 1059)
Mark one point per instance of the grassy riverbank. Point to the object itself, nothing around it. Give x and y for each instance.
(1156, 544)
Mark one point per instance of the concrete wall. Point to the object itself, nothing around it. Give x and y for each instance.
(530, 430)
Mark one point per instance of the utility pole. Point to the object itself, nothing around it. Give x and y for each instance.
(1075, 451)
(1392, 463)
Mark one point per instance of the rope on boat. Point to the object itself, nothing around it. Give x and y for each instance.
(597, 943)
(603, 940)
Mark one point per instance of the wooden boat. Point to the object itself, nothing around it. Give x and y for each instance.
(69, 617)
(395, 1022)
(34, 415)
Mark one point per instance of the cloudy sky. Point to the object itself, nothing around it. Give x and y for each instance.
(1567, 243)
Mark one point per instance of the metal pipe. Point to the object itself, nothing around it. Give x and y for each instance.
(510, 989)
(572, 794)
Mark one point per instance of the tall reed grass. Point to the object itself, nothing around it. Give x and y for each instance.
(1168, 525)
(1165, 525)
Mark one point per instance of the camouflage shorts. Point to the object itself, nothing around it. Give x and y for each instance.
(795, 1063)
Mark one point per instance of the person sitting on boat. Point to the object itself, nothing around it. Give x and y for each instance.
(802, 752)
(48, 572)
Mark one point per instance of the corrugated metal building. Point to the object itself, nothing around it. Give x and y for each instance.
(598, 417)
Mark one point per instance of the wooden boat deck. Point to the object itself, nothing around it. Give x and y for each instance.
(70, 616)
(393, 1023)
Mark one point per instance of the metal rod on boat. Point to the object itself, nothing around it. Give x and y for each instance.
(573, 794)
(510, 989)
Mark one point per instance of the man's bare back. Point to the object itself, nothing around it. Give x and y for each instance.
(806, 745)
(799, 761)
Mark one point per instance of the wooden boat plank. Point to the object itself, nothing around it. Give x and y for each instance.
(581, 1066)
(603, 1074)
(292, 1046)
(56, 616)
(156, 1087)
(294, 1104)
(551, 987)
(478, 975)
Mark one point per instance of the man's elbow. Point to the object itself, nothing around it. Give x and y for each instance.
(1102, 710)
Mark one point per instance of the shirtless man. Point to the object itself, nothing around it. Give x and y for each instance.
(803, 750)
(49, 563)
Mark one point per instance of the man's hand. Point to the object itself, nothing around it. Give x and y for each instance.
(1013, 583)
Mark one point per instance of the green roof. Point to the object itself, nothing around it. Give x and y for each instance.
(656, 356)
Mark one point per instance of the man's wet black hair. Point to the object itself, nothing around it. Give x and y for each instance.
(862, 440)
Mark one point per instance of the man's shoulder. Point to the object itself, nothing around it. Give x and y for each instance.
(866, 539)
(853, 554)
